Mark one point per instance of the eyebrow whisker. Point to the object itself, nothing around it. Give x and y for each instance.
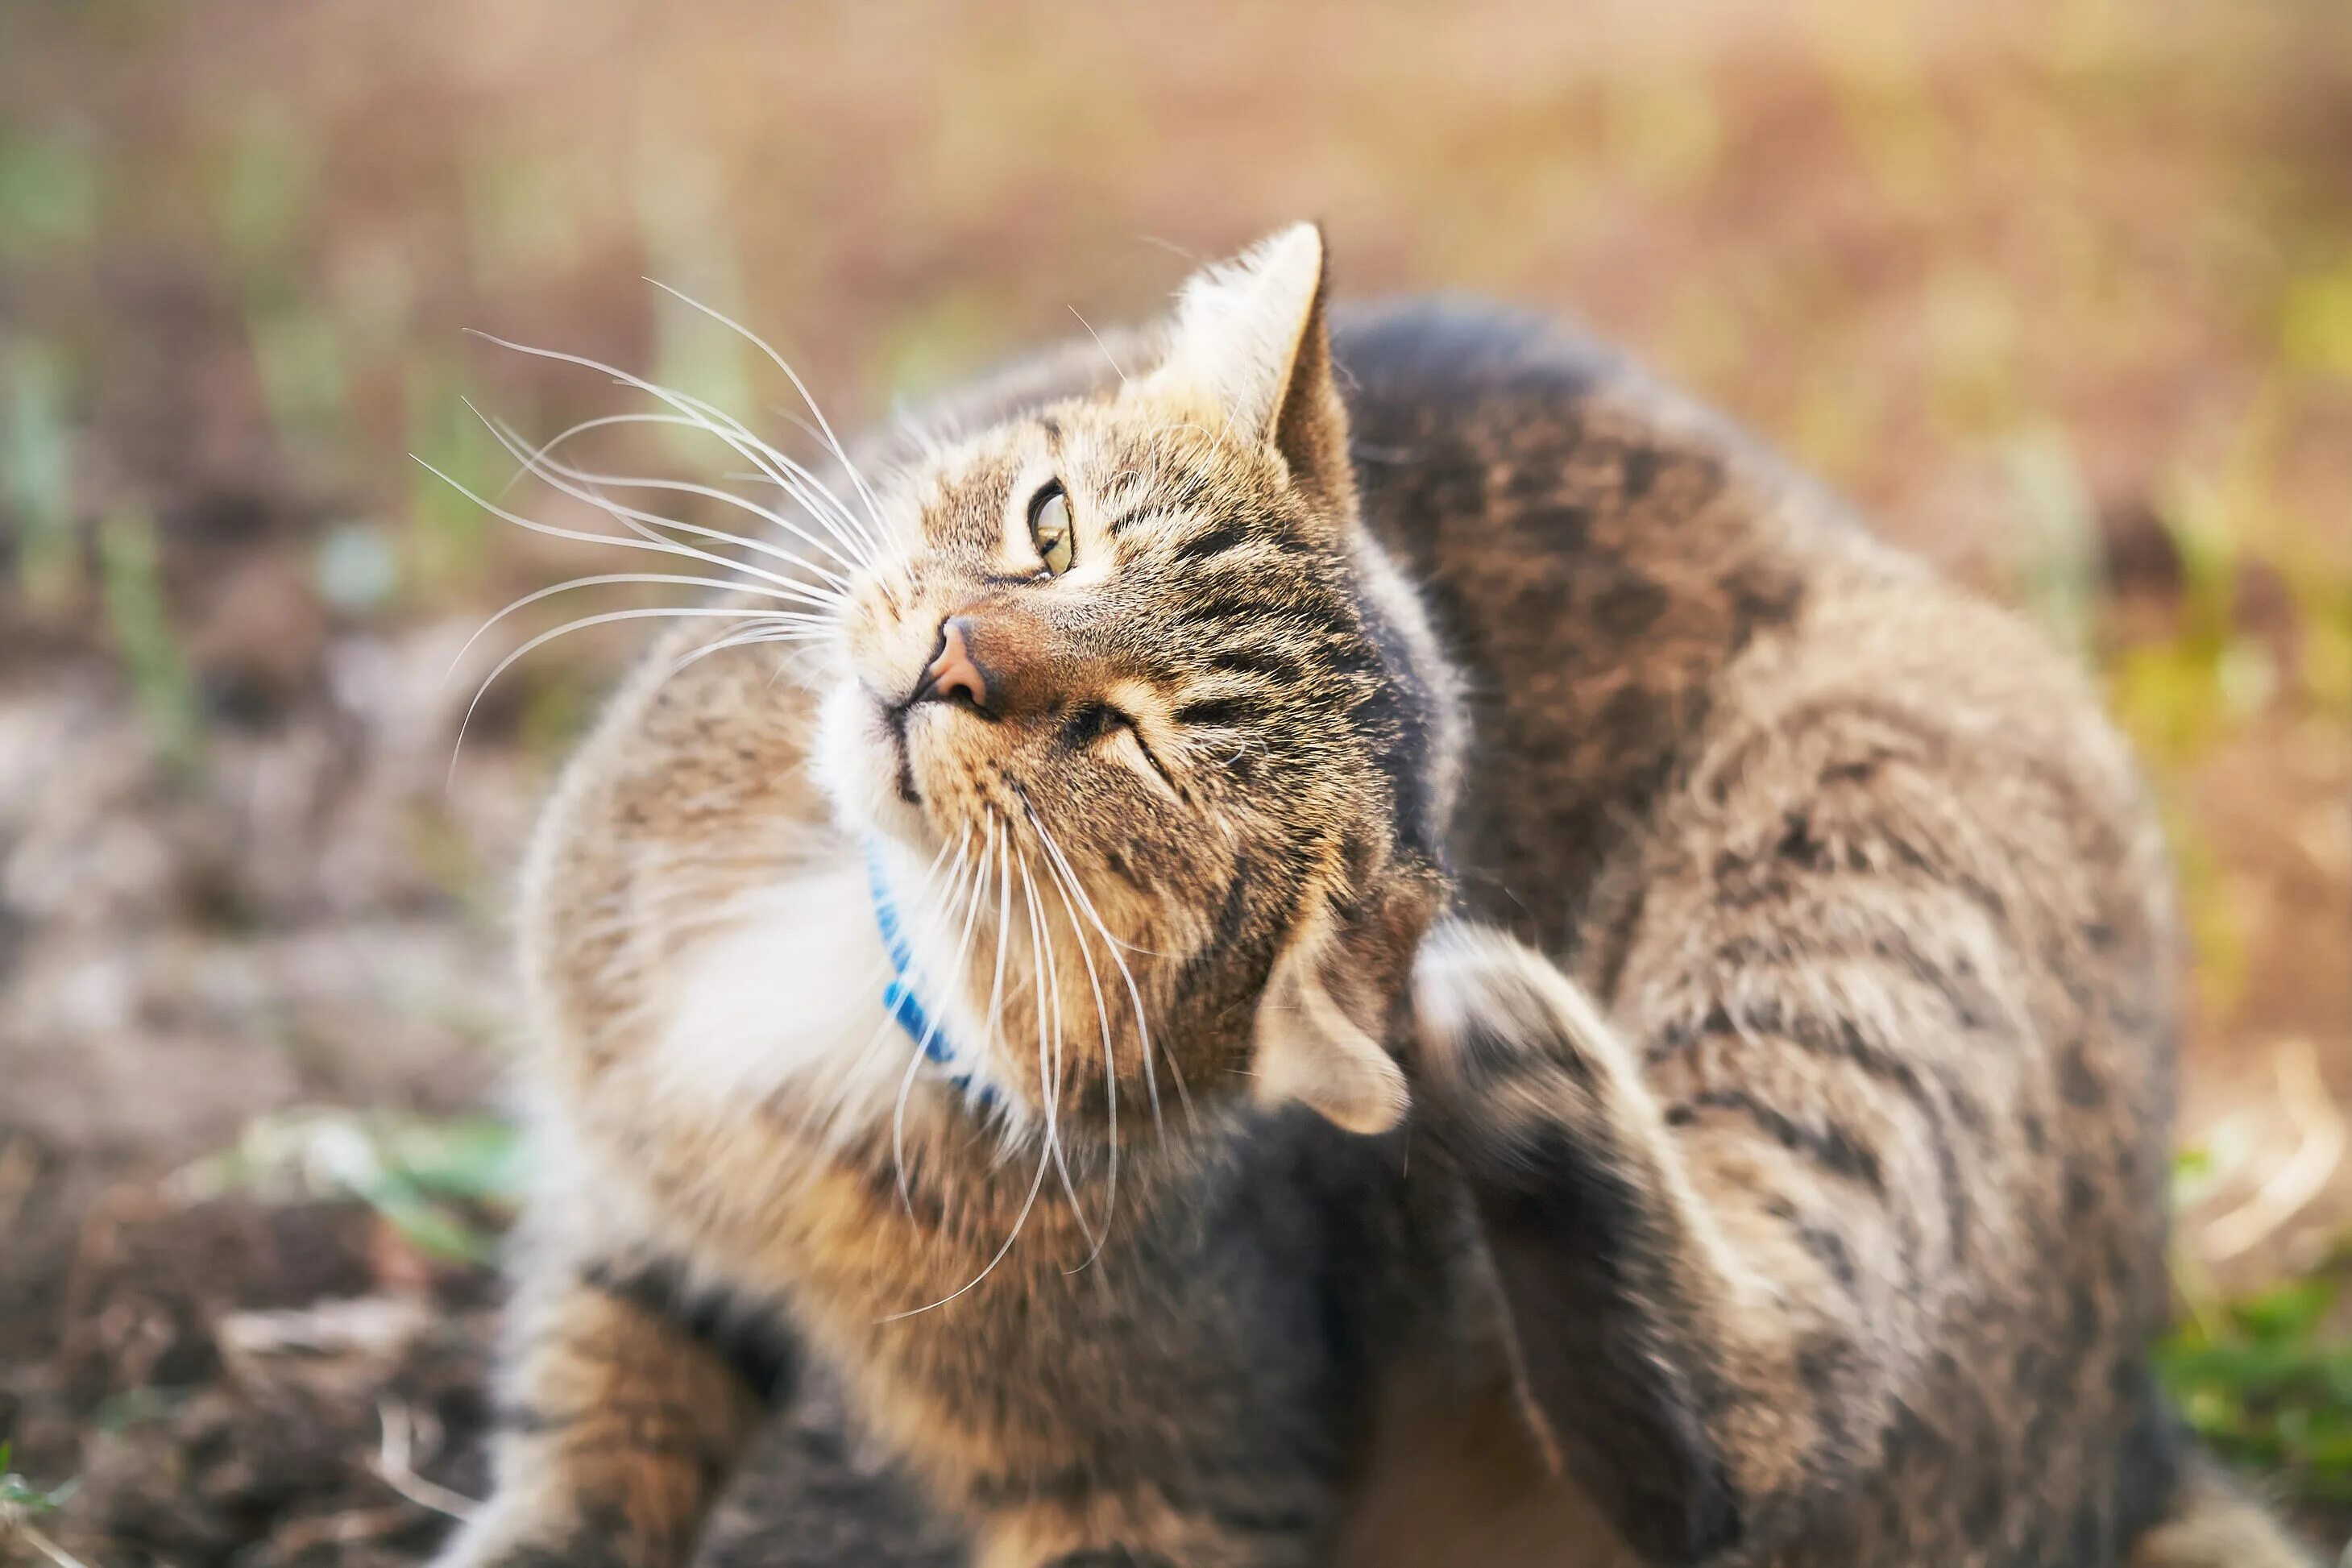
(841, 453)
(732, 431)
(684, 486)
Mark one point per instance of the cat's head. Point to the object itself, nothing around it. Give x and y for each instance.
(1128, 678)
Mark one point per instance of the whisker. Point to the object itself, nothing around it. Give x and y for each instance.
(757, 453)
(992, 1031)
(968, 895)
(644, 524)
(1111, 1072)
(823, 438)
(1134, 996)
(660, 546)
(789, 473)
(1036, 1184)
(1047, 989)
(775, 466)
(1044, 1158)
(1109, 358)
(602, 578)
(681, 486)
(840, 452)
(751, 639)
(606, 618)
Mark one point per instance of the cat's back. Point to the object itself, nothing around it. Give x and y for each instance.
(1595, 550)
(1851, 856)
(1628, 583)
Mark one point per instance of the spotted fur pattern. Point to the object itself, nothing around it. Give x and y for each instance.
(1529, 993)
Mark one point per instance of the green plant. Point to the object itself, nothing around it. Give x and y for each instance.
(447, 546)
(21, 1501)
(37, 477)
(2267, 1383)
(19, 1496)
(428, 1179)
(131, 574)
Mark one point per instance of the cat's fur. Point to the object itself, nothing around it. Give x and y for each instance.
(1669, 998)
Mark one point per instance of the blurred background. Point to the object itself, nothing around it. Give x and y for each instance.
(2060, 290)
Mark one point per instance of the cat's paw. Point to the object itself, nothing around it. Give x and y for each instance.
(1477, 1005)
(1501, 1037)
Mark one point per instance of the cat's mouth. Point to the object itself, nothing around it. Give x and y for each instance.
(867, 759)
(899, 722)
(902, 755)
(916, 758)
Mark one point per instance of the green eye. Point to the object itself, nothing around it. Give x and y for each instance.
(1049, 528)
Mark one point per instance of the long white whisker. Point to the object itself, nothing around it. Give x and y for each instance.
(825, 508)
(1109, 358)
(840, 452)
(797, 423)
(1110, 1059)
(992, 1031)
(1047, 989)
(523, 470)
(756, 452)
(662, 547)
(687, 487)
(923, 888)
(1036, 1184)
(582, 623)
(794, 477)
(527, 467)
(1134, 996)
(888, 967)
(968, 895)
(1045, 1155)
(645, 524)
(602, 578)
(750, 640)
(824, 439)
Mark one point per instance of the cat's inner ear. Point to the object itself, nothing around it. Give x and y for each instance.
(1328, 1006)
(1250, 339)
(1311, 1051)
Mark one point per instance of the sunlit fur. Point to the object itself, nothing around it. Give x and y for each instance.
(1692, 1087)
(1198, 730)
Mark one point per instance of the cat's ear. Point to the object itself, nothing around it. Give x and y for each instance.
(1250, 338)
(1334, 996)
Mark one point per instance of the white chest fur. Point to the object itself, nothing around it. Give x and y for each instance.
(776, 1003)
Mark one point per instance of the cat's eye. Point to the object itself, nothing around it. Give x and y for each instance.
(1049, 528)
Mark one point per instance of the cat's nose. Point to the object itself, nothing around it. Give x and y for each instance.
(953, 670)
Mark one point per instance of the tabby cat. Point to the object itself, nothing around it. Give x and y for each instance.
(1369, 946)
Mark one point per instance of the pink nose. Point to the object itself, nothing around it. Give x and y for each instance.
(953, 670)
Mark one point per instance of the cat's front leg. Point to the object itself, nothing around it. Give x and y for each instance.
(627, 1398)
(1266, 1514)
(1173, 1543)
(1708, 1379)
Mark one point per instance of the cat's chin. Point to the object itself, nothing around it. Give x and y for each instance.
(893, 819)
(858, 764)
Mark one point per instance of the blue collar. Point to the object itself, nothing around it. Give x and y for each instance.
(899, 998)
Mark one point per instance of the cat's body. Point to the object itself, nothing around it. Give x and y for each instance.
(1828, 1232)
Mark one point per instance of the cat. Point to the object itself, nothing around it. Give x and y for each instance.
(1354, 937)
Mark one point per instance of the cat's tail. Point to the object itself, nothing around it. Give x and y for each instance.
(2213, 1523)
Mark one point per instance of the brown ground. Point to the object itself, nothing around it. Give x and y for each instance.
(2062, 291)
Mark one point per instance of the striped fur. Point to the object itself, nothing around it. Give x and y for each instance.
(1656, 1007)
